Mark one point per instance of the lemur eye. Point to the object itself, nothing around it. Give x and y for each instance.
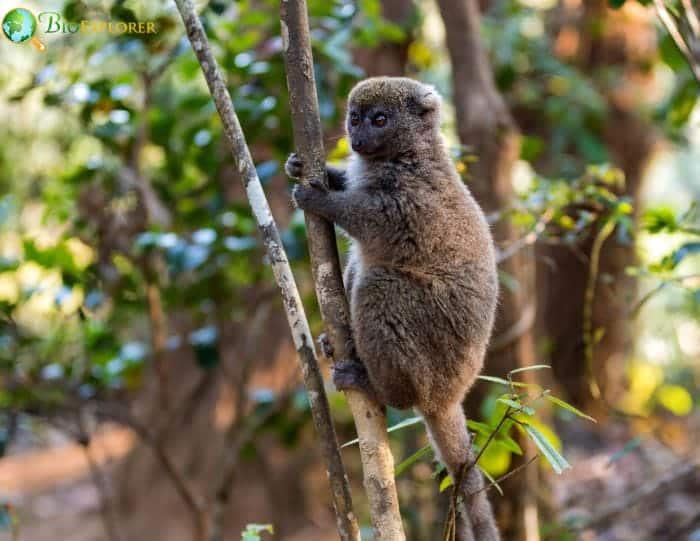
(354, 119)
(379, 120)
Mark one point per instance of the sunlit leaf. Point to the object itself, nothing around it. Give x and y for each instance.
(253, 531)
(658, 219)
(496, 460)
(446, 483)
(675, 399)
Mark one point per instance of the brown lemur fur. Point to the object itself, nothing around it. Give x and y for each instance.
(421, 276)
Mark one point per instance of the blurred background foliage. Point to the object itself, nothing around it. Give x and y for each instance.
(132, 277)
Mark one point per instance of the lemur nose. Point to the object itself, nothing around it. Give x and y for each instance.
(357, 146)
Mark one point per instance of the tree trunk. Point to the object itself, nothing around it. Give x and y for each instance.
(563, 272)
(389, 57)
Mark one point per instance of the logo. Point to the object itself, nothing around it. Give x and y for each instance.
(19, 26)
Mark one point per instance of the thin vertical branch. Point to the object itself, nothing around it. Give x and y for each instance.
(692, 18)
(296, 317)
(370, 419)
(98, 479)
(670, 24)
(589, 337)
(156, 214)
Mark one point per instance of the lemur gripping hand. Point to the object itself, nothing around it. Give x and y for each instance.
(310, 197)
(294, 166)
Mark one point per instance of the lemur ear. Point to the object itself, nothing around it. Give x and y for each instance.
(427, 100)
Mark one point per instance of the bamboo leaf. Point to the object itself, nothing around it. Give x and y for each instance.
(446, 483)
(493, 379)
(398, 426)
(406, 422)
(517, 406)
(568, 407)
(558, 462)
(528, 368)
(481, 428)
(411, 460)
(509, 443)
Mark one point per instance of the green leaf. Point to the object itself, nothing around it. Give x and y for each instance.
(670, 54)
(528, 368)
(517, 406)
(558, 462)
(675, 399)
(658, 219)
(616, 4)
(493, 379)
(406, 422)
(502, 381)
(481, 428)
(398, 426)
(531, 147)
(446, 483)
(411, 460)
(568, 407)
(509, 443)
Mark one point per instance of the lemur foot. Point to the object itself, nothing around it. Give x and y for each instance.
(326, 346)
(352, 375)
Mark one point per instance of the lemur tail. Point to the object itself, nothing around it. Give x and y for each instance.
(450, 439)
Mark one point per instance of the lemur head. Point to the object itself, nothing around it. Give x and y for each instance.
(388, 116)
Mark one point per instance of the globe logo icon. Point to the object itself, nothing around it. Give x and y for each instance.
(19, 26)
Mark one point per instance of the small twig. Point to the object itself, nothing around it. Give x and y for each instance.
(506, 476)
(692, 17)
(98, 479)
(100, 483)
(589, 295)
(635, 310)
(527, 240)
(672, 28)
